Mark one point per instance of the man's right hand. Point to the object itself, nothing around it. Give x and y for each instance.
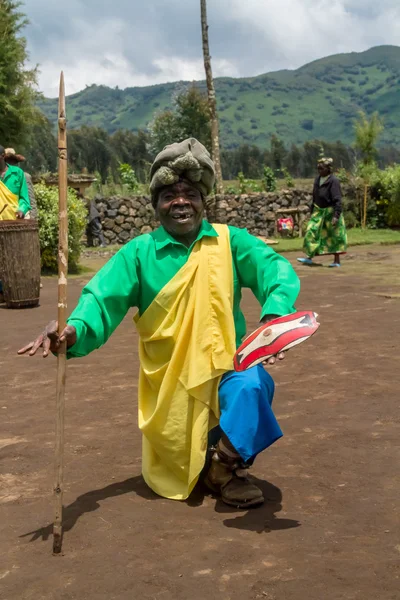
(50, 341)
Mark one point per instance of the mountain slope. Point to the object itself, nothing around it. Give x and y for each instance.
(319, 100)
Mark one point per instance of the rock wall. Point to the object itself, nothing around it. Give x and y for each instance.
(126, 218)
(259, 212)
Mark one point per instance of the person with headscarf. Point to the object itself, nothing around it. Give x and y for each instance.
(186, 280)
(14, 159)
(14, 195)
(326, 230)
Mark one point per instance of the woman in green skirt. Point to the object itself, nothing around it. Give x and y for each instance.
(326, 230)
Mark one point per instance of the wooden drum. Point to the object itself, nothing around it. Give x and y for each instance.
(20, 262)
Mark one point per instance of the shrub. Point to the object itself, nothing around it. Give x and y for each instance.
(388, 188)
(128, 177)
(269, 180)
(289, 181)
(47, 203)
(343, 175)
(247, 184)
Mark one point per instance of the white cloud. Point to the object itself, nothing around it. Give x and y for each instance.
(130, 43)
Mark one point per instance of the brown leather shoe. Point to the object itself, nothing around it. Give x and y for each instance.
(232, 484)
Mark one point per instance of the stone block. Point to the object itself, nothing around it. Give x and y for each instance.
(108, 223)
(124, 236)
(113, 202)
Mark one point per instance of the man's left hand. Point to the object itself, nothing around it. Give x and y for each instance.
(20, 214)
(272, 359)
(335, 221)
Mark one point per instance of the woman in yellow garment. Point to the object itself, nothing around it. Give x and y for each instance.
(14, 195)
(185, 278)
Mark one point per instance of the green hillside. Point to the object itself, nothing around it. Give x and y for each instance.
(319, 100)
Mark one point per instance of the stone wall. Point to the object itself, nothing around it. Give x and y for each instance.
(126, 218)
(258, 212)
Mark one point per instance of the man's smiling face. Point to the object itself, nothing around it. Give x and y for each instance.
(180, 209)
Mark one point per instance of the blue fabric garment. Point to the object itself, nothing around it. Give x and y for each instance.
(246, 415)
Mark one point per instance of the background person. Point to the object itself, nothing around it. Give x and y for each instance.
(14, 159)
(14, 195)
(326, 229)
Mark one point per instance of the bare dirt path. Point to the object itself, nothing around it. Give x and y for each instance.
(330, 527)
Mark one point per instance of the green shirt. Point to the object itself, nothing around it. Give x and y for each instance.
(14, 179)
(137, 273)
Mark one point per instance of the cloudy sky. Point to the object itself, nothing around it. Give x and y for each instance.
(143, 42)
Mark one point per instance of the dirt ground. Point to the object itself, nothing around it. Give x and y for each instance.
(330, 527)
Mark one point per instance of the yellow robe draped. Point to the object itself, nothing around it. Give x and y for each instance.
(8, 200)
(187, 342)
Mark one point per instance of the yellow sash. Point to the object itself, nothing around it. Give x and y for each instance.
(9, 199)
(187, 342)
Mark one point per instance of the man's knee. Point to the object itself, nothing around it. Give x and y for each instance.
(258, 382)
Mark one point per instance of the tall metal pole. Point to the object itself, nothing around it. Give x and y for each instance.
(62, 307)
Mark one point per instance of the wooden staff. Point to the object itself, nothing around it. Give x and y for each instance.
(62, 306)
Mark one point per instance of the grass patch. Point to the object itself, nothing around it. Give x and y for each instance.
(356, 237)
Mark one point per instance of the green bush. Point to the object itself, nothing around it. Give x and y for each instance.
(47, 202)
(289, 181)
(385, 190)
(247, 185)
(128, 177)
(269, 180)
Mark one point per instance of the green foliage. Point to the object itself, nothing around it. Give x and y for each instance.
(190, 117)
(342, 175)
(278, 153)
(47, 202)
(307, 91)
(92, 148)
(128, 177)
(247, 185)
(386, 186)
(269, 180)
(289, 181)
(367, 132)
(17, 94)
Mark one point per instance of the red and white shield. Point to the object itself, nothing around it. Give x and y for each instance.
(285, 332)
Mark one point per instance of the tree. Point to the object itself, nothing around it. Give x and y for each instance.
(278, 153)
(190, 117)
(194, 113)
(89, 147)
(211, 98)
(17, 93)
(293, 161)
(132, 148)
(40, 148)
(367, 132)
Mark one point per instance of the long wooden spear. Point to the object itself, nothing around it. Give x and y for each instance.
(62, 306)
